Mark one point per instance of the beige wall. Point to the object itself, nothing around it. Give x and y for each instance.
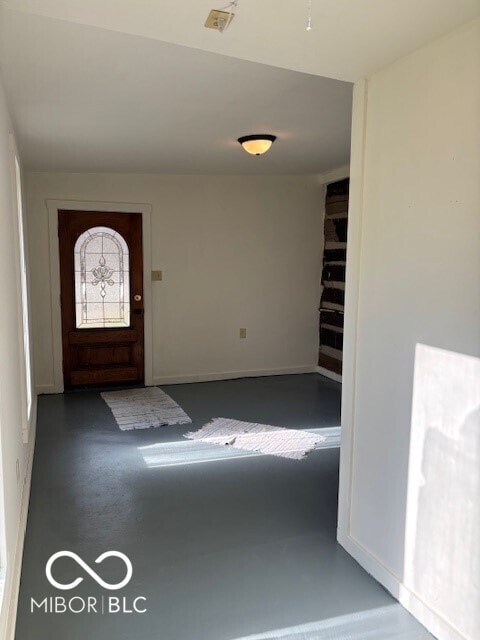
(413, 277)
(15, 461)
(234, 251)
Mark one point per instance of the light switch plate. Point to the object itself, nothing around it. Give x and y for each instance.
(156, 276)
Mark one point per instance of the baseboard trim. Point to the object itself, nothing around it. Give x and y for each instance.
(370, 563)
(328, 374)
(232, 375)
(22, 526)
(44, 389)
(431, 620)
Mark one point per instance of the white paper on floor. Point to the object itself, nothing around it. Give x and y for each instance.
(264, 438)
(144, 408)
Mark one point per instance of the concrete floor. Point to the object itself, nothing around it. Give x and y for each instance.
(222, 550)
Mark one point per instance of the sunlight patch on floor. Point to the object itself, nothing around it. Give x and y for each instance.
(384, 623)
(183, 452)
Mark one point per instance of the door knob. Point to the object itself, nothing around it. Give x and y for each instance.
(137, 297)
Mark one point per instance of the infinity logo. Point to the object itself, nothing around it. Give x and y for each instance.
(87, 569)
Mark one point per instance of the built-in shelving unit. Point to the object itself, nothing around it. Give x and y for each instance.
(333, 276)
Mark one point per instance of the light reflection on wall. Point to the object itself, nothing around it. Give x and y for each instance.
(172, 454)
(442, 558)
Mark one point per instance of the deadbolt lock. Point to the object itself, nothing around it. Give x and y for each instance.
(137, 297)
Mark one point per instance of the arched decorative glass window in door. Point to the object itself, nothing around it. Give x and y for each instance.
(102, 280)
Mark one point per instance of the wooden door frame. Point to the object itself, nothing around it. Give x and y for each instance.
(53, 206)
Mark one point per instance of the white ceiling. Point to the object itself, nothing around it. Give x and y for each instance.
(102, 85)
(88, 99)
(350, 39)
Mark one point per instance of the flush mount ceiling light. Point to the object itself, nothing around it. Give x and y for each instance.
(257, 144)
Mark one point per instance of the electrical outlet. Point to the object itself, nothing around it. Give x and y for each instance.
(157, 276)
(243, 333)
